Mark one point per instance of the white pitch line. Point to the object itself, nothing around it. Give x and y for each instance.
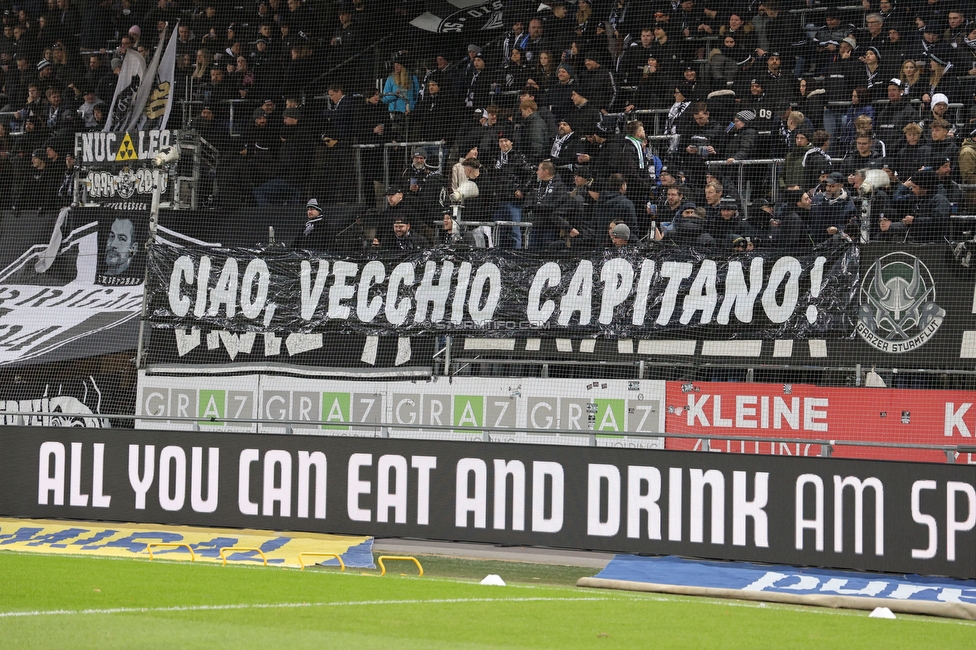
(208, 608)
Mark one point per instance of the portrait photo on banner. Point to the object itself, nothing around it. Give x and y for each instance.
(122, 240)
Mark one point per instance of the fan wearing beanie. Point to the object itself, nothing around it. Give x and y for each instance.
(620, 235)
(741, 138)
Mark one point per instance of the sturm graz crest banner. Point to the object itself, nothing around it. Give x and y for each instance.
(612, 294)
(915, 309)
(456, 16)
(898, 308)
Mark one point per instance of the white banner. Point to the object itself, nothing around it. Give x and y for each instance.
(517, 410)
(123, 102)
(146, 86)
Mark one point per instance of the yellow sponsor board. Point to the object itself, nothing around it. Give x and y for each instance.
(133, 540)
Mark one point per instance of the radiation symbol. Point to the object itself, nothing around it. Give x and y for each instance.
(126, 150)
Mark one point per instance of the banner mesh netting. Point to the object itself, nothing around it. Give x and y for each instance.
(609, 221)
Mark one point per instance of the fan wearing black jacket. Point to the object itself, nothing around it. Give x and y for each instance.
(741, 140)
(894, 117)
(567, 151)
(548, 204)
(700, 142)
(508, 177)
(436, 112)
(912, 156)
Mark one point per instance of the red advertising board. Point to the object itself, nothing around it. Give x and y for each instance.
(805, 412)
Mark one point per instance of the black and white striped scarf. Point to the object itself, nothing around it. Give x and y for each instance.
(557, 146)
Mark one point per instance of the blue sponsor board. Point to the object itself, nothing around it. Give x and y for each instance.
(749, 577)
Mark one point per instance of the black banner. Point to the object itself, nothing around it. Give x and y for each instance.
(62, 400)
(75, 290)
(913, 308)
(612, 293)
(871, 515)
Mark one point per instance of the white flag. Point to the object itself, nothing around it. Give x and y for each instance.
(130, 78)
(136, 117)
(159, 102)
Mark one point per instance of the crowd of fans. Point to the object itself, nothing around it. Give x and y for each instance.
(544, 123)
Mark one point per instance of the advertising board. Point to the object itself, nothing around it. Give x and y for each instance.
(830, 512)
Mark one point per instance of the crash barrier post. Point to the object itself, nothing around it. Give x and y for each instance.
(387, 147)
(239, 549)
(524, 226)
(150, 547)
(743, 186)
(301, 561)
(405, 558)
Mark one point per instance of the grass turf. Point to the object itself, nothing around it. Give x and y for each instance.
(110, 603)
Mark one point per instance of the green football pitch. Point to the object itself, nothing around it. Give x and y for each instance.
(81, 602)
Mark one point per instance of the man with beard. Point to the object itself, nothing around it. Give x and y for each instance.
(423, 183)
(630, 159)
(567, 150)
(401, 237)
(776, 84)
(669, 207)
(121, 247)
(380, 226)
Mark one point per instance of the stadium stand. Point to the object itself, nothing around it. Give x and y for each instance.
(794, 126)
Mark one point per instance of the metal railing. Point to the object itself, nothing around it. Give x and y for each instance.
(372, 49)
(484, 433)
(387, 147)
(743, 186)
